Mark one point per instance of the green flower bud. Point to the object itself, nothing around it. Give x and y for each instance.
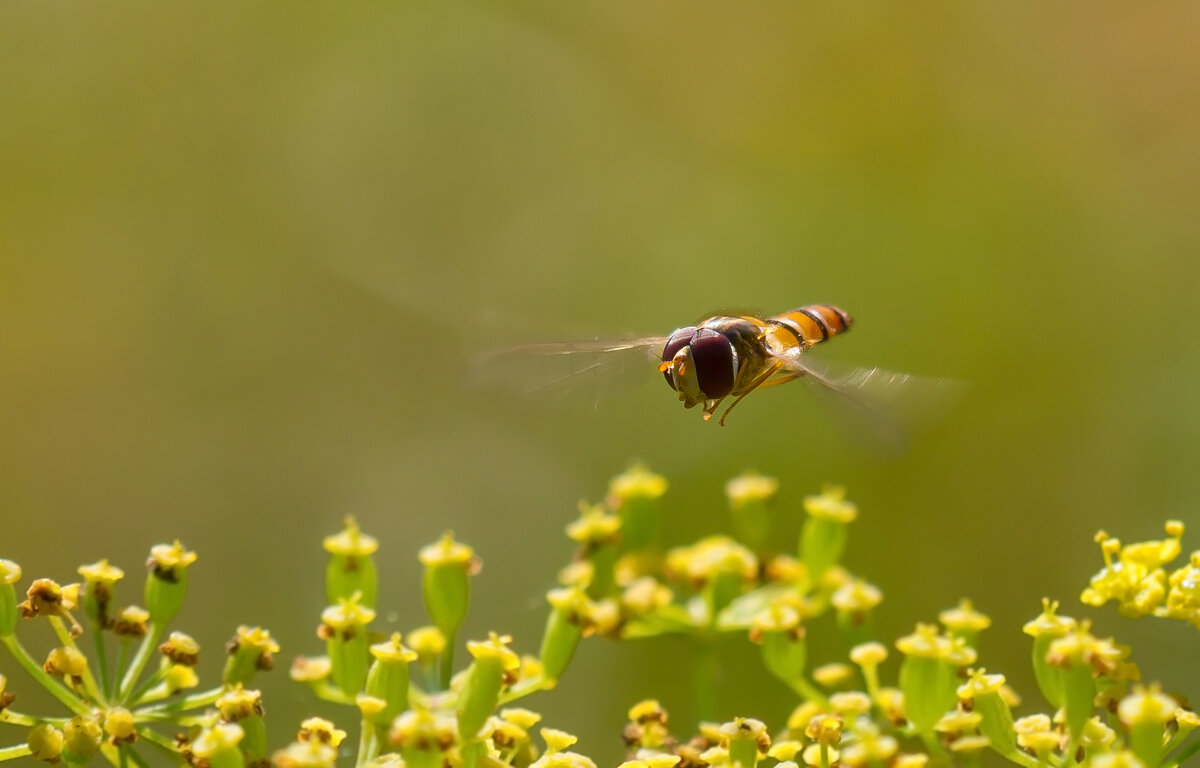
(250, 650)
(45, 743)
(219, 746)
(388, 678)
(166, 583)
(823, 538)
(1045, 629)
(745, 738)
(634, 495)
(965, 622)
(344, 629)
(99, 581)
(1073, 655)
(245, 709)
(597, 532)
(423, 738)
(306, 754)
(480, 693)
(750, 499)
(119, 724)
(926, 677)
(448, 566)
(784, 651)
(983, 690)
(81, 739)
(351, 568)
(10, 573)
(1144, 713)
(429, 644)
(564, 630)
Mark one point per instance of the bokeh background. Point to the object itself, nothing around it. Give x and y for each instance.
(247, 249)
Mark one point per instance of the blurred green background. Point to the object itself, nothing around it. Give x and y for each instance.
(246, 248)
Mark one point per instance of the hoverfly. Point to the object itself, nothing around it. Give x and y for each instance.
(726, 357)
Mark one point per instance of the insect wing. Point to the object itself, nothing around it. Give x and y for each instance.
(558, 370)
(881, 406)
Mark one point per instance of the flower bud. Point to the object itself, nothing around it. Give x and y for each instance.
(119, 724)
(984, 693)
(784, 651)
(351, 568)
(751, 496)
(10, 573)
(344, 629)
(485, 678)
(563, 630)
(745, 738)
(166, 583)
(926, 677)
(250, 651)
(388, 677)
(1045, 629)
(45, 743)
(219, 746)
(244, 708)
(448, 566)
(1144, 713)
(81, 739)
(99, 580)
(823, 538)
(423, 737)
(634, 495)
(305, 754)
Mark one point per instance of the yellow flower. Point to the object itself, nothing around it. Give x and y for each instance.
(637, 482)
(750, 487)
(831, 504)
(351, 541)
(964, 618)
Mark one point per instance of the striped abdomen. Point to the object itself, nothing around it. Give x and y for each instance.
(814, 323)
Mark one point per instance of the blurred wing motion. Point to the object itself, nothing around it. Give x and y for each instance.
(880, 407)
(553, 371)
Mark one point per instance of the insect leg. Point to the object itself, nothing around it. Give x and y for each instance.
(753, 385)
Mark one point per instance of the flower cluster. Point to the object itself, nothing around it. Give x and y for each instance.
(1135, 578)
(135, 678)
(417, 706)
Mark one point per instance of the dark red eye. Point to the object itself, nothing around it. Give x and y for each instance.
(678, 341)
(716, 363)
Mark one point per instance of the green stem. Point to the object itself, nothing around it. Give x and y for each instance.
(327, 692)
(705, 679)
(122, 663)
(525, 688)
(110, 753)
(1187, 752)
(366, 747)
(56, 688)
(809, 692)
(132, 754)
(1021, 758)
(144, 651)
(447, 665)
(138, 696)
(17, 718)
(101, 657)
(157, 740)
(68, 640)
(15, 751)
(195, 701)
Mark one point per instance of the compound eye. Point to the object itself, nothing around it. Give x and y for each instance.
(679, 339)
(716, 363)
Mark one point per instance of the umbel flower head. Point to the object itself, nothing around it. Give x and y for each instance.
(118, 703)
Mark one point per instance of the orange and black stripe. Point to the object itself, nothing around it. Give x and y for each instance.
(814, 323)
